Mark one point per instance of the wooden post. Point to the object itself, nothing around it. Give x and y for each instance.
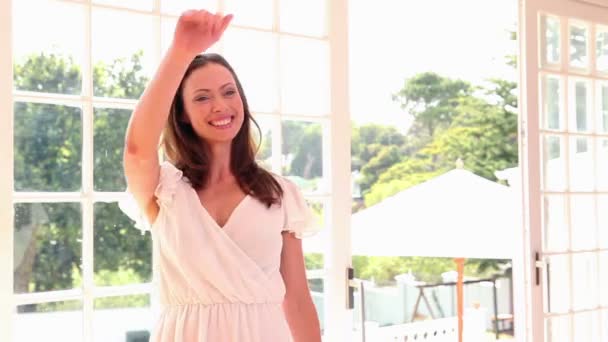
(460, 295)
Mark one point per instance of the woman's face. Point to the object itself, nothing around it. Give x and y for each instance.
(213, 104)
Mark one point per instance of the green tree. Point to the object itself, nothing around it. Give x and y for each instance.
(481, 132)
(307, 161)
(374, 148)
(432, 100)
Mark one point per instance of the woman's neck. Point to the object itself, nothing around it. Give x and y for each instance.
(220, 171)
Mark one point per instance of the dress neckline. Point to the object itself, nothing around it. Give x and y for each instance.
(204, 210)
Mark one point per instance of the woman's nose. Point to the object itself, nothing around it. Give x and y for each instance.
(218, 104)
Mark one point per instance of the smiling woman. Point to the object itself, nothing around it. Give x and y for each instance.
(231, 260)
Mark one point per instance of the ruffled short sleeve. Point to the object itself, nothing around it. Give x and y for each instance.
(299, 218)
(168, 182)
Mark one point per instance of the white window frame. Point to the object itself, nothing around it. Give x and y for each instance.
(533, 306)
(6, 172)
(336, 166)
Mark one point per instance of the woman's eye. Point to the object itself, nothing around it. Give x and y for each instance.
(202, 99)
(230, 92)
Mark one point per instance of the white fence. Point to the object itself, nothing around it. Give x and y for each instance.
(437, 330)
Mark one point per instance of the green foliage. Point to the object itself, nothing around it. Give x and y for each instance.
(134, 301)
(48, 146)
(374, 148)
(108, 138)
(482, 134)
(123, 78)
(48, 73)
(307, 161)
(431, 99)
(313, 261)
(384, 269)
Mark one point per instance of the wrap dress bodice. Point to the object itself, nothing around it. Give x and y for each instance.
(220, 283)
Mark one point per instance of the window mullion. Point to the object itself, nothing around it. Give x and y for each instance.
(87, 181)
(6, 173)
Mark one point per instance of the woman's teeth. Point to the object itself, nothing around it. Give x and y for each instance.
(221, 123)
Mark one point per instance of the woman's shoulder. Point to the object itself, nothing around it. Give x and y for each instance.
(170, 173)
(170, 180)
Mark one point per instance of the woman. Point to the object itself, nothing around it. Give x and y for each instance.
(227, 231)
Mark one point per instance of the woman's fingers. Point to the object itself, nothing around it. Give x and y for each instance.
(216, 23)
(189, 16)
(206, 23)
(224, 24)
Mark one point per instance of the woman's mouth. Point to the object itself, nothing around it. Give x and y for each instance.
(222, 123)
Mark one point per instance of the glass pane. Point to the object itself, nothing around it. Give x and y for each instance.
(264, 156)
(557, 329)
(145, 5)
(603, 278)
(582, 218)
(257, 13)
(48, 147)
(554, 164)
(555, 231)
(48, 243)
(317, 293)
(109, 135)
(602, 220)
(580, 106)
(302, 158)
(602, 165)
(552, 40)
(558, 274)
(582, 162)
(586, 327)
(585, 291)
(122, 67)
(304, 76)
(604, 326)
(602, 113)
(304, 17)
(602, 49)
(579, 37)
(49, 59)
(552, 103)
(57, 321)
(123, 318)
(256, 71)
(167, 28)
(122, 255)
(177, 7)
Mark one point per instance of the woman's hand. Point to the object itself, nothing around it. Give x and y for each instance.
(196, 31)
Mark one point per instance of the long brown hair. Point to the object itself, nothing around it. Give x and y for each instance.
(190, 153)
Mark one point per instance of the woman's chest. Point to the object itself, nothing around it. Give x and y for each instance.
(253, 231)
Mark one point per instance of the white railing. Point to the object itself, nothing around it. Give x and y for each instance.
(436, 330)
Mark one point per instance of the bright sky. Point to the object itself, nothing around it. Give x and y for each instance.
(391, 40)
(395, 39)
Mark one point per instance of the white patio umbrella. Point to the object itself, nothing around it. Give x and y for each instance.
(457, 214)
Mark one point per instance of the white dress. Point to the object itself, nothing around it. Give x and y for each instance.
(220, 283)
